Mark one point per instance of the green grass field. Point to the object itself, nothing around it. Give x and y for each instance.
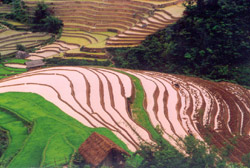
(54, 137)
(15, 61)
(8, 71)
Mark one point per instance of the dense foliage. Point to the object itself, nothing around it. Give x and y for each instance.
(19, 11)
(162, 155)
(7, 1)
(246, 160)
(212, 40)
(44, 20)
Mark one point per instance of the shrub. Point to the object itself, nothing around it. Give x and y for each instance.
(20, 47)
(79, 161)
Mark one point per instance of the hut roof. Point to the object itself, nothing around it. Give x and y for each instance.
(22, 54)
(35, 63)
(97, 147)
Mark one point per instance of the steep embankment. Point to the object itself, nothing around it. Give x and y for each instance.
(130, 103)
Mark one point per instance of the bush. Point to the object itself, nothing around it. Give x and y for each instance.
(20, 47)
(79, 161)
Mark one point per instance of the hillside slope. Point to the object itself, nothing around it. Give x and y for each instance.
(112, 98)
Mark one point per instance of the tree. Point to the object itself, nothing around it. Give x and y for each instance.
(44, 21)
(52, 24)
(41, 13)
(200, 155)
(161, 155)
(213, 40)
(18, 11)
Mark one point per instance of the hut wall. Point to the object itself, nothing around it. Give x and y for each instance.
(114, 160)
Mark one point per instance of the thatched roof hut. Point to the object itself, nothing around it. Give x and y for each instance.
(99, 150)
(22, 54)
(34, 64)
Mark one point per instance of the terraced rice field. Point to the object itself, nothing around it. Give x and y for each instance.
(124, 23)
(4, 8)
(17, 25)
(132, 103)
(9, 39)
(15, 63)
(9, 71)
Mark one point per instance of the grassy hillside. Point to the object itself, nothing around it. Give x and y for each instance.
(53, 135)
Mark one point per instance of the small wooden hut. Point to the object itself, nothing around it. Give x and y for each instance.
(34, 64)
(99, 151)
(22, 54)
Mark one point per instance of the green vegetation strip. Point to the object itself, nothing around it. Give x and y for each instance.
(138, 112)
(15, 61)
(52, 131)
